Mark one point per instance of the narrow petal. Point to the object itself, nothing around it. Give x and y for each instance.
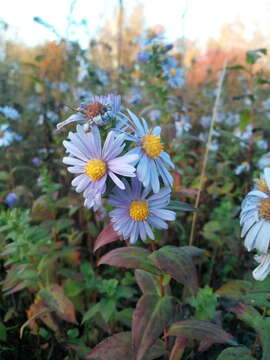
(263, 269)
(116, 180)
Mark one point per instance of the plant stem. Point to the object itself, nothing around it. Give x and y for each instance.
(205, 159)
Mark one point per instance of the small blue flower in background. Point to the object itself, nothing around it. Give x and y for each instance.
(143, 56)
(168, 47)
(244, 167)
(182, 124)
(10, 112)
(133, 97)
(36, 161)
(136, 211)
(174, 74)
(154, 115)
(152, 160)
(11, 199)
(102, 77)
(7, 136)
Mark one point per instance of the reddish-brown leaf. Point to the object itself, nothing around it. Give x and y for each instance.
(178, 263)
(107, 236)
(151, 316)
(118, 347)
(59, 302)
(204, 331)
(130, 257)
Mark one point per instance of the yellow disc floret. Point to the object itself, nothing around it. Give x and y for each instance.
(262, 186)
(139, 210)
(152, 145)
(95, 169)
(173, 72)
(264, 209)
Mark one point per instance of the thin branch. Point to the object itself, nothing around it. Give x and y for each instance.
(205, 159)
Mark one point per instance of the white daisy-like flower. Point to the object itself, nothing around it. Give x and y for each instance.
(93, 164)
(255, 215)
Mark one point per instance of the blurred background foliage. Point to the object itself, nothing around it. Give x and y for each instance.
(55, 302)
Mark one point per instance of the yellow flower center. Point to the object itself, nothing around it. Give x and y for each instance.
(139, 210)
(173, 72)
(262, 186)
(95, 169)
(265, 209)
(152, 145)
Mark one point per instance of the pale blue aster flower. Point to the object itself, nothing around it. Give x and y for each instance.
(173, 74)
(168, 47)
(154, 115)
(143, 56)
(152, 160)
(11, 199)
(36, 161)
(255, 215)
(93, 163)
(9, 112)
(264, 161)
(136, 212)
(133, 97)
(244, 167)
(98, 110)
(102, 77)
(7, 136)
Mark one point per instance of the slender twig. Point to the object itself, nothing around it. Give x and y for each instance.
(120, 41)
(205, 159)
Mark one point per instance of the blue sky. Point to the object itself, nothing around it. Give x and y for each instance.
(203, 18)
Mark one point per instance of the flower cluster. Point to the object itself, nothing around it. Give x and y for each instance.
(140, 202)
(255, 222)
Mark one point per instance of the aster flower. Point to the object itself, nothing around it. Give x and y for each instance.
(36, 161)
(136, 211)
(152, 160)
(9, 112)
(143, 56)
(174, 74)
(255, 215)
(92, 164)
(11, 199)
(264, 161)
(97, 110)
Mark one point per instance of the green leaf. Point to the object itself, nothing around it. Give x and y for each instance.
(180, 206)
(236, 353)
(245, 117)
(178, 263)
(249, 292)
(107, 308)
(119, 347)
(236, 67)
(147, 282)
(91, 312)
(73, 287)
(130, 257)
(205, 303)
(253, 55)
(3, 332)
(260, 324)
(204, 331)
(151, 316)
